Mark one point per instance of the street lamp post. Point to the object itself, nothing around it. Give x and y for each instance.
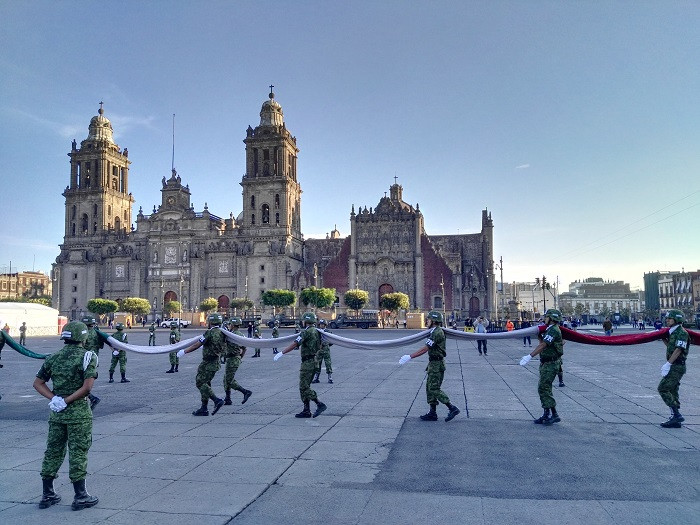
(442, 287)
(499, 266)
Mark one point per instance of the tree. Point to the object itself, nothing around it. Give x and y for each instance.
(579, 309)
(208, 304)
(394, 301)
(356, 299)
(605, 311)
(46, 301)
(241, 303)
(279, 298)
(102, 306)
(567, 310)
(136, 306)
(317, 297)
(626, 313)
(171, 308)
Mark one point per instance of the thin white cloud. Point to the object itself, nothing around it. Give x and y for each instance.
(522, 167)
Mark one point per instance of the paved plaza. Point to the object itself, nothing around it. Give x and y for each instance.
(368, 459)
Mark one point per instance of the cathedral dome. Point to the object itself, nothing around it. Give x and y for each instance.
(100, 128)
(271, 112)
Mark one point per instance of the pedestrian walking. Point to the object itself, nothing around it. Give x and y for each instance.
(677, 348)
(275, 333)
(233, 356)
(72, 371)
(550, 350)
(309, 343)
(526, 338)
(152, 334)
(480, 328)
(436, 348)
(119, 356)
(257, 335)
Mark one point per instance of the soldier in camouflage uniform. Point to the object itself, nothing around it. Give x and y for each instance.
(256, 335)
(23, 333)
(309, 341)
(435, 347)
(677, 348)
(550, 349)
(119, 355)
(73, 371)
(275, 333)
(232, 358)
(174, 338)
(152, 335)
(214, 342)
(324, 354)
(93, 343)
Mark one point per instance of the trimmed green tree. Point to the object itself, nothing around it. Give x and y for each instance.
(171, 308)
(208, 304)
(356, 299)
(102, 306)
(394, 301)
(317, 297)
(279, 298)
(241, 303)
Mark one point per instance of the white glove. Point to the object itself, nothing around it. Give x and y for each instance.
(665, 369)
(404, 359)
(525, 360)
(278, 355)
(115, 353)
(57, 404)
(180, 353)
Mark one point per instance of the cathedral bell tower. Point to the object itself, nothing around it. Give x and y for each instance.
(98, 199)
(271, 193)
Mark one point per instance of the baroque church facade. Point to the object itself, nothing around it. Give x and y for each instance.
(178, 253)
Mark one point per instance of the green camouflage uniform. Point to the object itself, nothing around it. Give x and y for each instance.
(436, 367)
(668, 387)
(72, 426)
(275, 335)
(23, 334)
(233, 361)
(214, 347)
(309, 341)
(152, 335)
(550, 363)
(174, 338)
(324, 354)
(121, 357)
(93, 341)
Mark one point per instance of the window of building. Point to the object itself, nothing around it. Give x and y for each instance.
(277, 219)
(75, 276)
(266, 154)
(74, 289)
(94, 210)
(262, 280)
(73, 212)
(277, 201)
(265, 214)
(262, 267)
(73, 229)
(252, 219)
(94, 227)
(252, 201)
(75, 301)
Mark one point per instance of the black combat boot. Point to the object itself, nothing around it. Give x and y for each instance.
(82, 499)
(675, 420)
(111, 377)
(431, 415)
(172, 370)
(124, 379)
(330, 378)
(315, 379)
(246, 395)
(227, 400)
(545, 418)
(320, 408)
(93, 401)
(306, 412)
(218, 403)
(555, 417)
(176, 368)
(561, 380)
(201, 411)
(453, 411)
(49, 497)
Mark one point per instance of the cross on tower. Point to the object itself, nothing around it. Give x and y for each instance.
(395, 178)
(271, 86)
(101, 104)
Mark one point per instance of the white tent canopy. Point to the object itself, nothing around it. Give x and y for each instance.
(40, 319)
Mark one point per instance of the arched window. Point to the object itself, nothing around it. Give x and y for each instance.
(77, 174)
(265, 214)
(252, 201)
(94, 227)
(125, 216)
(84, 223)
(109, 210)
(223, 303)
(252, 219)
(277, 201)
(117, 223)
(87, 180)
(277, 219)
(72, 212)
(94, 210)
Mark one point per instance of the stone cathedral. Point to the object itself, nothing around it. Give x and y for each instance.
(178, 253)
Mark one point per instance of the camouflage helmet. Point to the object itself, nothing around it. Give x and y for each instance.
(322, 322)
(676, 315)
(553, 314)
(309, 318)
(277, 322)
(119, 326)
(235, 321)
(173, 324)
(75, 331)
(435, 317)
(215, 319)
(88, 320)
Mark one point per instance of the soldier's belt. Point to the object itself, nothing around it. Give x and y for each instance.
(431, 358)
(548, 359)
(679, 361)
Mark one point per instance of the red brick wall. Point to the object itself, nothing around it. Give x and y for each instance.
(434, 269)
(336, 273)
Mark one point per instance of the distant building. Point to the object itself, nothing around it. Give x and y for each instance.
(24, 284)
(598, 297)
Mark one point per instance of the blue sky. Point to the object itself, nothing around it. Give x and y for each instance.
(575, 123)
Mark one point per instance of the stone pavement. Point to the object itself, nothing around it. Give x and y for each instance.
(368, 459)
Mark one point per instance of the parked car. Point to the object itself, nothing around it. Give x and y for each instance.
(283, 320)
(182, 323)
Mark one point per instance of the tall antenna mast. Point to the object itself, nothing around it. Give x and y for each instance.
(173, 162)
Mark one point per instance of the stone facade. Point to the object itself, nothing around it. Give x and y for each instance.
(177, 253)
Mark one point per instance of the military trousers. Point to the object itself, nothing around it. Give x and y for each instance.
(174, 359)
(668, 386)
(152, 340)
(205, 373)
(78, 437)
(121, 358)
(232, 364)
(324, 356)
(436, 373)
(548, 371)
(306, 375)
